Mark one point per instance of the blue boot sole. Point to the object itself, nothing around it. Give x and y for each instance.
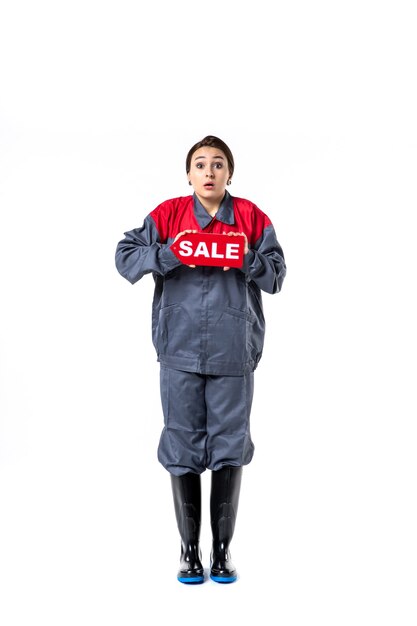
(191, 580)
(223, 579)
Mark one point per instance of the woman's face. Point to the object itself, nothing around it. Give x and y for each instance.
(209, 173)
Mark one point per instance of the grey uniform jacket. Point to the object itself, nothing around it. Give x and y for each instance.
(205, 320)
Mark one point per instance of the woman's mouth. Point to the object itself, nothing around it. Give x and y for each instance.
(209, 186)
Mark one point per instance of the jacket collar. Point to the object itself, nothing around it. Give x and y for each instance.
(225, 213)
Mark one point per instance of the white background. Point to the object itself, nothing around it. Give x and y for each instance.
(100, 102)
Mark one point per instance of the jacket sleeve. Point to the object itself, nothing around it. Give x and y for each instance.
(142, 252)
(265, 263)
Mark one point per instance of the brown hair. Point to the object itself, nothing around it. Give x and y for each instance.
(212, 142)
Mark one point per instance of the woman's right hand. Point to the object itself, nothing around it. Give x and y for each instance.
(184, 232)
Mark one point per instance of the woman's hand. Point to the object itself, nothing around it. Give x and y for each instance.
(246, 250)
(184, 232)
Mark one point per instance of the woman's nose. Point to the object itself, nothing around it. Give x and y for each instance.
(210, 174)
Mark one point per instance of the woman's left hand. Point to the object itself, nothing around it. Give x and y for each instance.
(246, 250)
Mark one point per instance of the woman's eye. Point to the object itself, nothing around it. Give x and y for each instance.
(218, 166)
(199, 166)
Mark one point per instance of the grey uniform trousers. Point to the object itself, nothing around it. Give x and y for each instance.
(206, 421)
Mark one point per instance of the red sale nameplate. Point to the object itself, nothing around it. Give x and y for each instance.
(210, 249)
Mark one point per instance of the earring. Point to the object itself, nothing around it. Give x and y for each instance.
(229, 182)
(189, 182)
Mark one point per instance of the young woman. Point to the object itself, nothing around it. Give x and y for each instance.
(208, 332)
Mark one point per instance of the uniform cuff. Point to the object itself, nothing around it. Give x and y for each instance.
(247, 262)
(168, 259)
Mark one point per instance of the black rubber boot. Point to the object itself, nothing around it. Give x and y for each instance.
(224, 500)
(186, 490)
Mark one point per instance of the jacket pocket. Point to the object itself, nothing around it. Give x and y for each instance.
(174, 333)
(228, 341)
(247, 316)
(248, 336)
